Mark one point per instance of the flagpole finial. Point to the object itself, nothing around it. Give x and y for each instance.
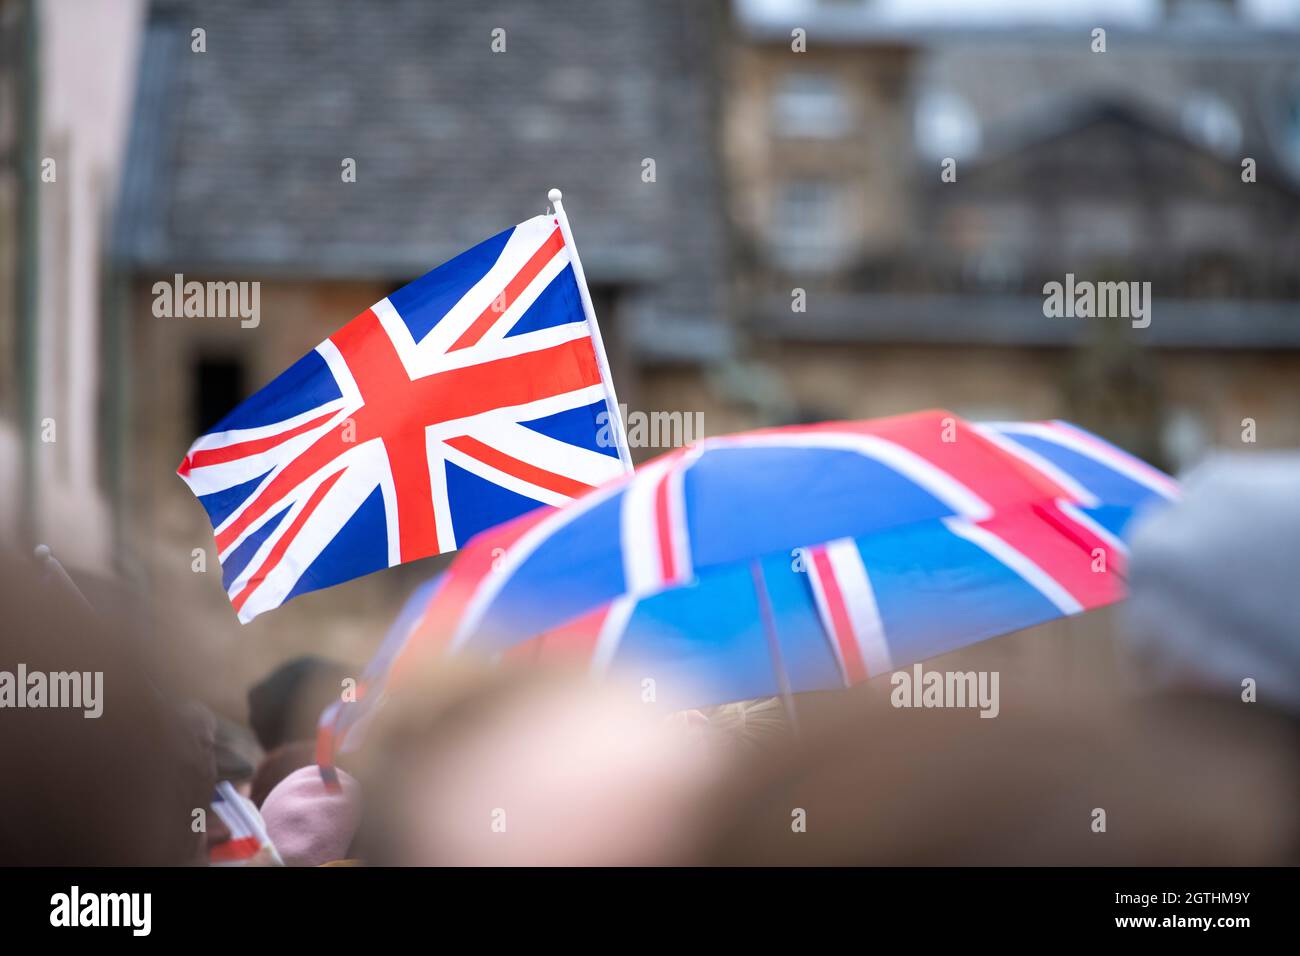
(555, 195)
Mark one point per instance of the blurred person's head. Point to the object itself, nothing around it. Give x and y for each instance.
(120, 788)
(311, 823)
(521, 767)
(277, 765)
(871, 784)
(286, 704)
(228, 746)
(1212, 582)
(237, 752)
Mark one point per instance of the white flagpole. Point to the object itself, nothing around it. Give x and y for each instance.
(611, 399)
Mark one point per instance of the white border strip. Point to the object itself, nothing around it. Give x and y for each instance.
(860, 602)
(1018, 562)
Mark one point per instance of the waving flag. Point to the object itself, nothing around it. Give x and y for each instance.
(464, 399)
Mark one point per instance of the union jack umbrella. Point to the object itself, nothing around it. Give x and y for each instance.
(794, 559)
(473, 395)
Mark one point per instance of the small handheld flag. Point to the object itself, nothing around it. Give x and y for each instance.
(248, 838)
(476, 393)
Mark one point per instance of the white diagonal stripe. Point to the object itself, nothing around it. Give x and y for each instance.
(485, 352)
(543, 451)
(497, 477)
(206, 479)
(1085, 519)
(334, 510)
(1017, 561)
(1039, 463)
(517, 309)
(860, 602)
(236, 436)
(526, 239)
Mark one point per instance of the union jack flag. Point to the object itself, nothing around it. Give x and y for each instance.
(464, 399)
(881, 544)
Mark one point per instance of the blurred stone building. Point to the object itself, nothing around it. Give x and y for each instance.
(1123, 165)
(66, 81)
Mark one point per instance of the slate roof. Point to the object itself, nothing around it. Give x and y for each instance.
(1018, 321)
(235, 154)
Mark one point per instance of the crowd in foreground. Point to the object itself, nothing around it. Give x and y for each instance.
(505, 766)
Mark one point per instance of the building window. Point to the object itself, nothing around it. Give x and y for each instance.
(1099, 232)
(1211, 121)
(1286, 123)
(807, 227)
(218, 384)
(810, 105)
(945, 126)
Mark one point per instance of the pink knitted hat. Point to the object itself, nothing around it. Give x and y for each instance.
(308, 823)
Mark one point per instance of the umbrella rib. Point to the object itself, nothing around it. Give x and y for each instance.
(773, 646)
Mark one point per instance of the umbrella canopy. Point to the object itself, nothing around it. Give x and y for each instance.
(801, 558)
